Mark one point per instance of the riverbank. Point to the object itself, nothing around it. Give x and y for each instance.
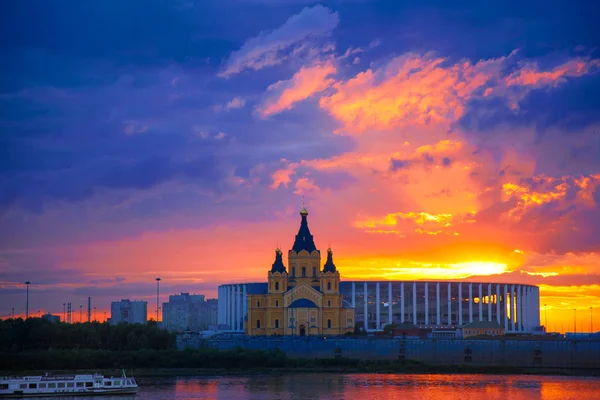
(235, 361)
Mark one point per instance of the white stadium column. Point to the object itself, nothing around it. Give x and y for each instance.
(378, 309)
(505, 308)
(366, 303)
(426, 304)
(459, 298)
(230, 290)
(227, 306)
(437, 304)
(232, 307)
(390, 310)
(238, 323)
(449, 304)
(415, 303)
(520, 309)
(489, 301)
(525, 309)
(481, 301)
(402, 300)
(470, 302)
(498, 304)
(353, 294)
(244, 306)
(512, 308)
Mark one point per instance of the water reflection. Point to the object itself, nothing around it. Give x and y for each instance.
(368, 386)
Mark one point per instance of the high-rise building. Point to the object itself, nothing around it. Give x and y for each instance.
(131, 312)
(189, 312)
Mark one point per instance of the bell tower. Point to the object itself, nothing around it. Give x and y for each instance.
(304, 259)
(278, 276)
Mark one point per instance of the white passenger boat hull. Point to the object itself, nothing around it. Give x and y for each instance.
(66, 385)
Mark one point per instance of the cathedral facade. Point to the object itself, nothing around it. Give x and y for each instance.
(303, 299)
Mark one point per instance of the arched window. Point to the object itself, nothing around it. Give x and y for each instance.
(314, 271)
(276, 285)
(303, 271)
(294, 271)
(328, 286)
(329, 324)
(276, 303)
(258, 303)
(328, 303)
(276, 324)
(258, 323)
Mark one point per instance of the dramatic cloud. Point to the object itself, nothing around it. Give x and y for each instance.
(306, 82)
(265, 49)
(425, 147)
(428, 90)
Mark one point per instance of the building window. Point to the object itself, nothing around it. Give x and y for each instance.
(328, 286)
(258, 303)
(276, 285)
(258, 323)
(314, 271)
(303, 272)
(328, 303)
(329, 324)
(276, 324)
(276, 303)
(293, 271)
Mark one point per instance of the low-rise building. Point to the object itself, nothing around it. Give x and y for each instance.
(127, 311)
(479, 328)
(51, 318)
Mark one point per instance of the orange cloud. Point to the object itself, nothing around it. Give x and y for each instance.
(306, 82)
(530, 75)
(409, 90)
(424, 90)
(283, 176)
(305, 185)
(540, 190)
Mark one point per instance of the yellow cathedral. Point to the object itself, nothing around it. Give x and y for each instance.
(303, 300)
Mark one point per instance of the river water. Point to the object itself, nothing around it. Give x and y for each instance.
(366, 386)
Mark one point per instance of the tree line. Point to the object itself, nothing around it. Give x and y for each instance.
(18, 335)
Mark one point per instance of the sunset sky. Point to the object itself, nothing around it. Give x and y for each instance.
(175, 139)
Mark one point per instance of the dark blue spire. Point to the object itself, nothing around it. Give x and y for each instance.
(304, 240)
(278, 264)
(329, 265)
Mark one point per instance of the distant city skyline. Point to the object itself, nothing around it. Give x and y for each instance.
(430, 141)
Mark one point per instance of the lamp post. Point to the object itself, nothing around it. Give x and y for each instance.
(27, 301)
(80, 313)
(157, 296)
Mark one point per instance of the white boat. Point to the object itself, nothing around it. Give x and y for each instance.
(66, 385)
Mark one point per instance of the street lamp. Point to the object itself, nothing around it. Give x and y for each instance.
(64, 312)
(80, 313)
(27, 301)
(157, 294)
